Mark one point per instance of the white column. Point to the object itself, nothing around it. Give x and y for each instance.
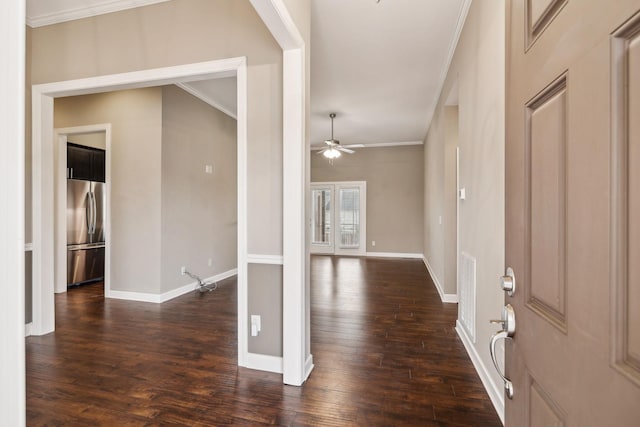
(293, 216)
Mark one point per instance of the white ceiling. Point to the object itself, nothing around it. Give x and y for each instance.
(379, 66)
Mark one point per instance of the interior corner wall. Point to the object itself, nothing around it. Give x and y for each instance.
(394, 177)
(450, 199)
(434, 214)
(136, 123)
(478, 68)
(199, 209)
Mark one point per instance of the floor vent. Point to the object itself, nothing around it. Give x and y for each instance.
(467, 288)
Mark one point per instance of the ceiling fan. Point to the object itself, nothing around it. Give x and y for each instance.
(334, 149)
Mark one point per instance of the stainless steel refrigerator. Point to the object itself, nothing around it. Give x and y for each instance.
(85, 231)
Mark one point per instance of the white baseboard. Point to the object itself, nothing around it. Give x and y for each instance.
(308, 367)
(263, 362)
(160, 298)
(27, 330)
(394, 255)
(449, 298)
(493, 390)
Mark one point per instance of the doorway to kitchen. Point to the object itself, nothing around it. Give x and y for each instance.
(43, 160)
(82, 252)
(339, 218)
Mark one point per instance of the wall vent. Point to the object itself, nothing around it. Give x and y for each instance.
(467, 286)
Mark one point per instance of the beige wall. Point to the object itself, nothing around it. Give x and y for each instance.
(199, 210)
(182, 32)
(440, 199)
(264, 280)
(450, 199)
(136, 120)
(479, 71)
(394, 192)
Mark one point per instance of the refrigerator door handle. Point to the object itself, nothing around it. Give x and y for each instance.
(87, 211)
(94, 212)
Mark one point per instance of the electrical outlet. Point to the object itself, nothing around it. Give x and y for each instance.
(373, 243)
(183, 270)
(210, 262)
(208, 168)
(256, 325)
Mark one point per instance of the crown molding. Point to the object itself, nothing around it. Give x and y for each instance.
(207, 99)
(87, 11)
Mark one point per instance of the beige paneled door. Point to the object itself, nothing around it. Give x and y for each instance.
(573, 212)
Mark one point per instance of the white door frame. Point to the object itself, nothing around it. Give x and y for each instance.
(61, 136)
(43, 169)
(319, 248)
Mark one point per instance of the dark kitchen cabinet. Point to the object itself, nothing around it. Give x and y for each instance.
(85, 163)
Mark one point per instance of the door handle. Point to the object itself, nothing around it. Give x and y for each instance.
(508, 282)
(508, 323)
(94, 212)
(87, 211)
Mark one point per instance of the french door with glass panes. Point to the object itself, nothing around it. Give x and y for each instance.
(338, 218)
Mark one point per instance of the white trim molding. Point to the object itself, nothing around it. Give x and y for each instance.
(462, 17)
(43, 167)
(264, 362)
(206, 99)
(169, 295)
(447, 298)
(276, 17)
(265, 259)
(493, 390)
(86, 11)
(308, 366)
(27, 330)
(394, 255)
(28, 247)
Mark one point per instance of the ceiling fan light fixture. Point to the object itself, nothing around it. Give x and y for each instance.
(331, 153)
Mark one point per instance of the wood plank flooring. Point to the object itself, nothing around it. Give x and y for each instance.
(384, 348)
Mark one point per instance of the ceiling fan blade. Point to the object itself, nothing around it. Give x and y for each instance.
(344, 150)
(323, 150)
(354, 146)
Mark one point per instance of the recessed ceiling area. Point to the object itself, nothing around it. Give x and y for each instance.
(380, 66)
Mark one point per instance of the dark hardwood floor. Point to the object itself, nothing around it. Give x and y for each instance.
(384, 348)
